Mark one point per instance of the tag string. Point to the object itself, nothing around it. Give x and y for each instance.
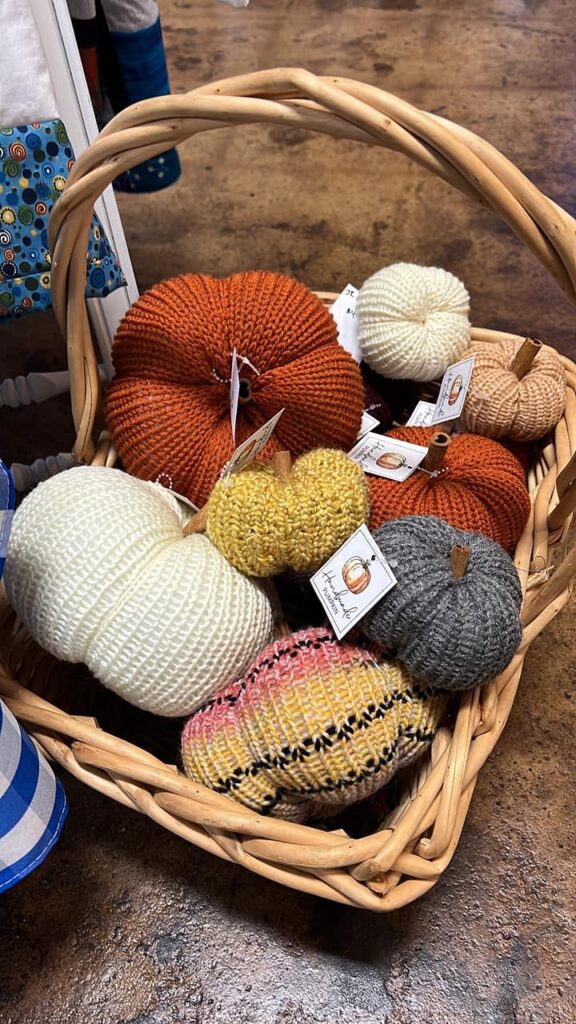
(432, 472)
(244, 361)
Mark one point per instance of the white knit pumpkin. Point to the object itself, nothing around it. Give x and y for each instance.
(412, 321)
(99, 572)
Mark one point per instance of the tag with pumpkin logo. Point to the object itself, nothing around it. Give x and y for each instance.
(351, 582)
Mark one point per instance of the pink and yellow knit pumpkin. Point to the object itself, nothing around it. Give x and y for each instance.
(312, 726)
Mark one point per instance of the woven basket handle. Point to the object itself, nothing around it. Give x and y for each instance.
(294, 98)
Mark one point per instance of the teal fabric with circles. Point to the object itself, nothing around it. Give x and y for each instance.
(35, 161)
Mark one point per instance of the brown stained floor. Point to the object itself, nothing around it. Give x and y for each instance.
(127, 924)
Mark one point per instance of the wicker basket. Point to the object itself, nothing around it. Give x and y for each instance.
(414, 845)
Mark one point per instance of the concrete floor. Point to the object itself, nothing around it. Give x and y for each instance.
(127, 924)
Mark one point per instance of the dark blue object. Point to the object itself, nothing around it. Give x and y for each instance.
(143, 74)
(7, 499)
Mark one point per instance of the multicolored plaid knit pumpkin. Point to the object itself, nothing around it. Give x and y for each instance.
(312, 726)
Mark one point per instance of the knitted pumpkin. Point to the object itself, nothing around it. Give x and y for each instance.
(412, 321)
(168, 406)
(454, 616)
(312, 726)
(265, 522)
(480, 486)
(99, 572)
(515, 392)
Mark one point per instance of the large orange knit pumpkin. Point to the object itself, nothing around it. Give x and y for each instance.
(480, 487)
(168, 406)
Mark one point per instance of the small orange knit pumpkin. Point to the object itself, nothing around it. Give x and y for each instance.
(480, 486)
(168, 406)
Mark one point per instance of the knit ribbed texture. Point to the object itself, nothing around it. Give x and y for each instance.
(168, 406)
(451, 633)
(500, 405)
(412, 321)
(312, 726)
(99, 572)
(481, 487)
(264, 526)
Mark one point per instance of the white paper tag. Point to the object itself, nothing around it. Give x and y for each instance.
(351, 582)
(251, 447)
(421, 415)
(453, 390)
(185, 501)
(368, 423)
(165, 480)
(234, 393)
(386, 456)
(343, 309)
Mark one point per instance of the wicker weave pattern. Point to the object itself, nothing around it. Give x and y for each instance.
(408, 854)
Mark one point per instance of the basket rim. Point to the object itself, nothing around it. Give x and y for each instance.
(392, 866)
(336, 106)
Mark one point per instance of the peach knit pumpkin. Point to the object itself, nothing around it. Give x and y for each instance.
(498, 404)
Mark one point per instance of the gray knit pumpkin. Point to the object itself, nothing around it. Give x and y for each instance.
(453, 633)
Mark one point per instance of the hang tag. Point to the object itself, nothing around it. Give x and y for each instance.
(165, 480)
(185, 501)
(251, 447)
(7, 501)
(421, 415)
(453, 390)
(351, 582)
(368, 423)
(386, 456)
(234, 393)
(343, 309)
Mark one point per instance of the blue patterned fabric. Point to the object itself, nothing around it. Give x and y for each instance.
(35, 161)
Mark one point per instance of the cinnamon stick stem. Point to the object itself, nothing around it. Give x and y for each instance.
(282, 464)
(198, 522)
(525, 356)
(436, 453)
(459, 558)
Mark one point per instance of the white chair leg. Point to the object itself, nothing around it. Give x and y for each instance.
(26, 477)
(36, 387)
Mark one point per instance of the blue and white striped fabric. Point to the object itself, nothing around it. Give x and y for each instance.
(33, 806)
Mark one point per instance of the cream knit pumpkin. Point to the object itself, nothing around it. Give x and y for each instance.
(412, 321)
(99, 572)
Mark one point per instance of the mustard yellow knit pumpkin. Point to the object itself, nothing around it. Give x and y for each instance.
(264, 524)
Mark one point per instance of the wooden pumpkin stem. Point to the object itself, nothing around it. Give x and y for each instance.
(434, 458)
(525, 356)
(459, 557)
(282, 464)
(198, 522)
